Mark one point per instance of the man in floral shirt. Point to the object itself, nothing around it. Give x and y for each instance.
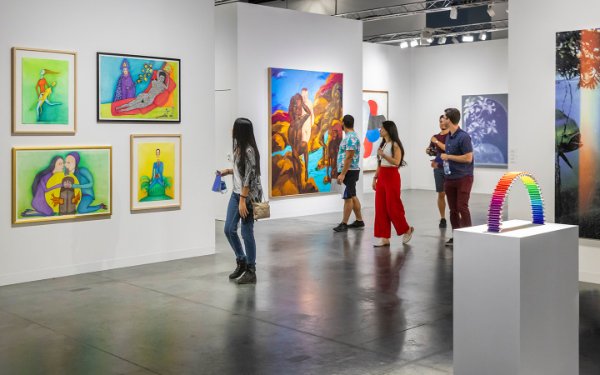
(349, 172)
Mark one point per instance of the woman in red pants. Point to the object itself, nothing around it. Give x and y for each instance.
(386, 183)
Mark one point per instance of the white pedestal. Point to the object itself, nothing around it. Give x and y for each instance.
(516, 300)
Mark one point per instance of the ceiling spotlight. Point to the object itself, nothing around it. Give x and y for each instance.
(453, 13)
(455, 40)
(442, 40)
(467, 38)
(490, 11)
(414, 43)
(483, 36)
(429, 40)
(404, 45)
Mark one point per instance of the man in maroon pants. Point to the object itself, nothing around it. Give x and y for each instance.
(459, 173)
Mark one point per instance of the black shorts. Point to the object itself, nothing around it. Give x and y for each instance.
(350, 182)
(440, 177)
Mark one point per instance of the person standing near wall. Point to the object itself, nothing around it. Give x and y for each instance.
(437, 146)
(386, 183)
(246, 189)
(459, 171)
(349, 173)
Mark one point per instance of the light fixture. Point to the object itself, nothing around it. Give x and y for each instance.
(429, 40)
(467, 38)
(490, 11)
(404, 45)
(414, 43)
(483, 35)
(453, 13)
(442, 40)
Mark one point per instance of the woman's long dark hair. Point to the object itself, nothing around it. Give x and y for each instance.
(243, 137)
(43, 173)
(392, 130)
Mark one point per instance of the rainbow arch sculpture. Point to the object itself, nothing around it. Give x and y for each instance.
(501, 192)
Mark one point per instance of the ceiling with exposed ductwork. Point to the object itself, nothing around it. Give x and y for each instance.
(410, 22)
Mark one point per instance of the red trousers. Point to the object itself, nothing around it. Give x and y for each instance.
(458, 192)
(388, 205)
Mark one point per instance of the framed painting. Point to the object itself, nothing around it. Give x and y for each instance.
(44, 91)
(305, 111)
(59, 183)
(485, 118)
(138, 88)
(375, 112)
(577, 131)
(155, 171)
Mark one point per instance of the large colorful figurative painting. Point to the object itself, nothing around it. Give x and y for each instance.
(577, 131)
(305, 109)
(375, 112)
(58, 183)
(155, 171)
(138, 88)
(44, 91)
(485, 118)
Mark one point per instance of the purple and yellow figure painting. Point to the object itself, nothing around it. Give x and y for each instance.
(57, 183)
(306, 130)
(138, 88)
(577, 130)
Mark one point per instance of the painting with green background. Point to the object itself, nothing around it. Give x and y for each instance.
(29, 163)
(53, 106)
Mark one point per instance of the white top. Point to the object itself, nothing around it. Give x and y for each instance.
(237, 180)
(387, 150)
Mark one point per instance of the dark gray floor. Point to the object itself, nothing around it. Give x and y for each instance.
(325, 303)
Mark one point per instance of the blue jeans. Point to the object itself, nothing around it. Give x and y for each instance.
(231, 226)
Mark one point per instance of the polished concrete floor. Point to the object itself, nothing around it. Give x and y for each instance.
(325, 303)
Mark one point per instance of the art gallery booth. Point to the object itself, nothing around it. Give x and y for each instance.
(247, 41)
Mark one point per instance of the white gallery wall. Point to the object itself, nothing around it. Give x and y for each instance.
(422, 82)
(532, 52)
(280, 38)
(31, 252)
(441, 76)
(388, 68)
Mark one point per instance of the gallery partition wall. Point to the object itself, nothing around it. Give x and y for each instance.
(70, 194)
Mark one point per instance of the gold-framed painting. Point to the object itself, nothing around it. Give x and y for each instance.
(61, 183)
(44, 91)
(155, 171)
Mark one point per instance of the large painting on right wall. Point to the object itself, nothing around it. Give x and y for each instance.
(577, 130)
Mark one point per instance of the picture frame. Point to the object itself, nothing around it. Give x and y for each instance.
(137, 88)
(485, 118)
(53, 183)
(44, 91)
(375, 111)
(155, 169)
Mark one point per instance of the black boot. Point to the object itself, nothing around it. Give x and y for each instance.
(239, 270)
(249, 277)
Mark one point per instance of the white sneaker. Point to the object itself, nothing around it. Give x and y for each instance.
(408, 235)
(382, 242)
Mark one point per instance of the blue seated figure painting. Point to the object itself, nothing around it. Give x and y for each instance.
(156, 184)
